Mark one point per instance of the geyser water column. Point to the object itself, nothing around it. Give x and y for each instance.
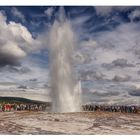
(65, 91)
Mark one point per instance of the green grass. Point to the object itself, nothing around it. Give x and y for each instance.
(20, 100)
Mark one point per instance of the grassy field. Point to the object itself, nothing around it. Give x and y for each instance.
(20, 100)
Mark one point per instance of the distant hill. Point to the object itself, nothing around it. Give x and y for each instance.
(21, 100)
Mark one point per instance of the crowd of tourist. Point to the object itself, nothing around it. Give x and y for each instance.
(7, 107)
(113, 108)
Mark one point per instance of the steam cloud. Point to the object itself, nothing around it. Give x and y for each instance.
(15, 39)
(64, 91)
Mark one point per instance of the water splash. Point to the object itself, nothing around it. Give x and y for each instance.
(65, 92)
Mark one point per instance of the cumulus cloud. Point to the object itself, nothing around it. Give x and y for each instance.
(84, 51)
(15, 69)
(30, 73)
(103, 10)
(15, 42)
(114, 50)
(134, 14)
(89, 43)
(22, 87)
(121, 78)
(18, 14)
(115, 54)
(49, 11)
(120, 62)
(135, 92)
(33, 80)
(91, 75)
(138, 72)
(108, 58)
(10, 53)
(114, 44)
(106, 10)
(105, 94)
(82, 58)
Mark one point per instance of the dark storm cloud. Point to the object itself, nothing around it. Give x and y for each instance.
(118, 78)
(122, 63)
(33, 80)
(15, 41)
(6, 59)
(22, 87)
(137, 50)
(138, 72)
(135, 92)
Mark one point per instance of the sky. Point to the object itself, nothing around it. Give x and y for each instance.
(107, 50)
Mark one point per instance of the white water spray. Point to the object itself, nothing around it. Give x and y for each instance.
(65, 92)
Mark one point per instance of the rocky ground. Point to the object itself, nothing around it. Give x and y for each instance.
(69, 123)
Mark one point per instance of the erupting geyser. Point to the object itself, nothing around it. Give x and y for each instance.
(65, 90)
